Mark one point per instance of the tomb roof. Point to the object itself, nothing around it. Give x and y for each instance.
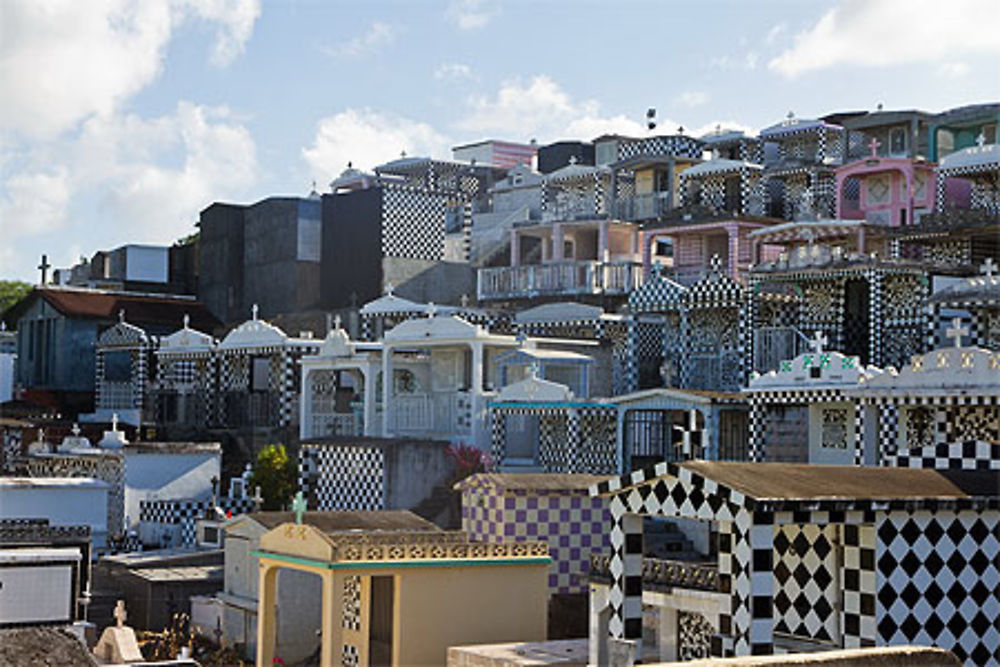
(346, 521)
(531, 481)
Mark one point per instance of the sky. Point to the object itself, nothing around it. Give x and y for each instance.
(120, 120)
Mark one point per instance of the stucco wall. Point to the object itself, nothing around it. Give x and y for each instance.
(442, 607)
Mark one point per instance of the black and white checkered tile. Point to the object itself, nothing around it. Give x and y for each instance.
(806, 581)
(342, 477)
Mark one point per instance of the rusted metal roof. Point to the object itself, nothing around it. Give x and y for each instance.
(140, 309)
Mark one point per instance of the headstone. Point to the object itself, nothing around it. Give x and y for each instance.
(75, 441)
(113, 439)
(117, 645)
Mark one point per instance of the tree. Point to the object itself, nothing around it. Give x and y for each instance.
(274, 472)
(12, 291)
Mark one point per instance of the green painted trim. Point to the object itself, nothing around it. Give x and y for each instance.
(385, 565)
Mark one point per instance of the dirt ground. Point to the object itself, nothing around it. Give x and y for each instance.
(38, 647)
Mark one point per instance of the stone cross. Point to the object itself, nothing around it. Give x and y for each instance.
(336, 322)
(987, 268)
(75, 430)
(388, 289)
(121, 315)
(187, 320)
(44, 268)
(431, 309)
(874, 146)
(464, 301)
(298, 506)
(956, 331)
(981, 140)
(818, 342)
(253, 311)
(573, 159)
(120, 614)
(114, 421)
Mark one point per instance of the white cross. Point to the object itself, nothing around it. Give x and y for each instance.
(388, 289)
(336, 322)
(75, 430)
(432, 310)
(818, 341)
(987, 268)
(464, 301)
(874, 146)
(187, 320)
(253, 311)
(120, 614)
(957, 331)
(114, 421)
(121, 315)
(573, 159)
(981, 140)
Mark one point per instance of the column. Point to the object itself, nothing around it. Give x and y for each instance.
(761, 631)
(305, 405)
(476, 388)
(647, 253)
(574, 443)
(368, 374)
(557, 243)
(386, 389)
(667, 634)
(859, 433)
(625, 597)
(267, 594)
(328, 646)
(756, 446)
(734, 250)
(603, 251)
(515, 248)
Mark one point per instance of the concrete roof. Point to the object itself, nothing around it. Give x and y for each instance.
(532, 481)
(339, 522)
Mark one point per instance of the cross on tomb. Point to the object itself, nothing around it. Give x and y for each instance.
(956, 331)
(120, 614)
(818, 341)
(187, 320)
(44, 268)
(75, 430)
(114, 421)
(981, 140)
(336, 322)
(253, 311)
(298, 506)
(874, 146)
(388, 289)
(431, 310)
(987, 268)
(464, 301)
(573, 159)
(121, 315)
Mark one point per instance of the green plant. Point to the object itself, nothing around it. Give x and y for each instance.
(274, 472)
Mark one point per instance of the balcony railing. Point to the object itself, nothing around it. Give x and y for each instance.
(649, 206)
(663, 573)
(561, 279)
(442, 412)
(772, 345)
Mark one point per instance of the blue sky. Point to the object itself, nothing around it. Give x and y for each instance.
(122, 119)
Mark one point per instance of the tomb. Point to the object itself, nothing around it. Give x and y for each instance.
(806, 555)
(390, 596)
(184, 391)
(123, 371)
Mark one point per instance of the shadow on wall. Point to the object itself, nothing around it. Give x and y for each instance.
(424, 281)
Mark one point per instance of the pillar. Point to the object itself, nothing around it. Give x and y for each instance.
(267, 628)
(603, 251)
(756, 447)
(368, 374)
(667, 635)
(574, 443)
(328, 645)
(515, 248)
(476, 390)
(386, 389)
(557, 243)
(305, 405)
(625, 596)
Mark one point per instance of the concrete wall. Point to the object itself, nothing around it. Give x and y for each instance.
(54, 352)
(150, 476)
(424, 281)
(220, 260)
(827, 455)
(352, 250)
(451, 606)
(63, 505)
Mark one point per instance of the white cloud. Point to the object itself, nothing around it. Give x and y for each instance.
(64, 60)
(471, 14)
(144, 179)
(891, 32)
(377, 36)
(367, 138)
(746, 61)
(235, 19)
(454, 71)
(953, 70)
(775, 32)
(541, 109)
(692, 98)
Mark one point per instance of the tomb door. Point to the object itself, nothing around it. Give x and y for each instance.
(856, 319)
(381, 605)
(648, 437)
